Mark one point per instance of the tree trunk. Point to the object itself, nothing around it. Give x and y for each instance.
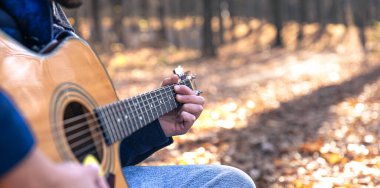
(277, 15)
(321, 14)
(221, 22)
(302, 20)
(208, 48)
(348, 13)
(118, 15)
(361, 20)
(161, 16)
(96, 34)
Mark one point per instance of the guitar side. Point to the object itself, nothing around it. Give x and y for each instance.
(44, 87)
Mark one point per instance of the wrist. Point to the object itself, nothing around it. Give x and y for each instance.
(164, 128)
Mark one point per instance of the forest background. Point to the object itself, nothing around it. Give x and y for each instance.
(292, 86)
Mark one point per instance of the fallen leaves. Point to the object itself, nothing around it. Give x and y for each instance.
(334, 158)
(289, 119)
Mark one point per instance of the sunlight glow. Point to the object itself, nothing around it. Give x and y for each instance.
(250, 104)
(359, 108)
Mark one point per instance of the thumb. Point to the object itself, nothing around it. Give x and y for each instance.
(93, 170)
(94, 173)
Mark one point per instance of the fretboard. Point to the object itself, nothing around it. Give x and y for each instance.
(120, 119)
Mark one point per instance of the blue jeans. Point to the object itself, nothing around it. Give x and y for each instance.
(187, 176)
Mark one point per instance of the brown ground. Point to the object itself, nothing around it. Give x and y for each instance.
(287, 118)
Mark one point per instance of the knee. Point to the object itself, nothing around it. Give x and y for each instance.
(234, 177)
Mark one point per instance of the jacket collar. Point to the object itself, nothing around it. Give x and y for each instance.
(34, 18)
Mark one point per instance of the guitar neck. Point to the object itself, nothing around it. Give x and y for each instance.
(122, 118)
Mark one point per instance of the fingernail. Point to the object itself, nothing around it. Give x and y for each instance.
(176, 87)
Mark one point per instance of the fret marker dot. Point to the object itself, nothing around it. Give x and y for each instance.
(118, 120)
(126, 117)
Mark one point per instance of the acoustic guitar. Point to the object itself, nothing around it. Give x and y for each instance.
(70, 103)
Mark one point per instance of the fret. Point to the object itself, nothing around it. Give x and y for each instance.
(107, 116)
(103, 123)
(157, 99)
(170, 92)
(127, 118)
(113, 116)
(135, 112)
(130, 115)
(141, 110)
(144, 109)
(163, 100)
(121, 120)
(148, 108)
(153, 107)
(154, 99)
(170, 99)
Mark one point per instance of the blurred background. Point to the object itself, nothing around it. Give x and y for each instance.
(292, 86)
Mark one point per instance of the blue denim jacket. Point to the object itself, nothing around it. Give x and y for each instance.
(35, 23)
(15, 138)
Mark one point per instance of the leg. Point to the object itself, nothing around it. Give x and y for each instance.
(187, 176)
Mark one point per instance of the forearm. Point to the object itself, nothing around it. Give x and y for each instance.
(36, 170)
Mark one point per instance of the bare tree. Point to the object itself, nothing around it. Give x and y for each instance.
(277, 16)
(208, 48)
(221, 7)
(118, 15)
(321, 18)
(302, 20)
(361, 20)
(96, 34)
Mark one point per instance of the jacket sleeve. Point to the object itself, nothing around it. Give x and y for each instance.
(16, 141)
(143, 143)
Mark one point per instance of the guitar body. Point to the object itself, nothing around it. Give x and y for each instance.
(51, 91)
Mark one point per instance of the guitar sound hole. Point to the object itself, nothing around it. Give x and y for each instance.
(82, 132)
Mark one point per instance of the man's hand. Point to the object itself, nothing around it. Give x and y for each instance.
(76, 175)
(180, 120)
(36, 170)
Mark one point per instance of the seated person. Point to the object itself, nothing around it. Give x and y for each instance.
(35, 24)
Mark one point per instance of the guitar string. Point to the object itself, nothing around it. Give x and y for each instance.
(117, 111)
(84, 149)
(83, 116)
(93, 144)
(128, 114)
(131, 114)
(151, 110)
(128, 100)
(132, 128)
(97, 127)
(87, 146)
